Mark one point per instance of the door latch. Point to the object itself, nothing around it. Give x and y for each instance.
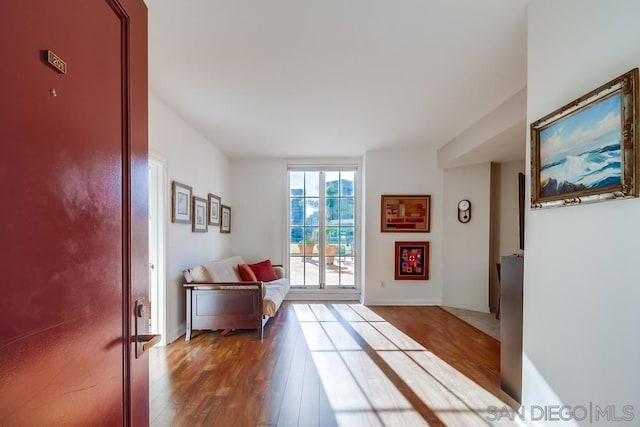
(143, 341)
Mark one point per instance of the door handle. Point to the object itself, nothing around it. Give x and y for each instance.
(142, 340)
(148, 341)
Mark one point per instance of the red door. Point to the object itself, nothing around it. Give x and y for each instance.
(73, 217)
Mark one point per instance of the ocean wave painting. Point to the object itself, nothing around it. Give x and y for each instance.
(582, 152)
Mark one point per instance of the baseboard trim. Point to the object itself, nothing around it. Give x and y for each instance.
(177, 332)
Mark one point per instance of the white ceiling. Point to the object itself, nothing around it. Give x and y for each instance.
(333, 78)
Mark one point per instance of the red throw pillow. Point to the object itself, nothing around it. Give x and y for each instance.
(264, 271)
(246, 273)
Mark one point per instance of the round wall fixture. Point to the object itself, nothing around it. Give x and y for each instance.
(464, 211)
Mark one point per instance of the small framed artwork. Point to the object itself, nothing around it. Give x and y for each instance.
(214, 209)
(199, 224)
(407, 214)
(412, 261)
(180, 202)
(587, 150)
(225, 219)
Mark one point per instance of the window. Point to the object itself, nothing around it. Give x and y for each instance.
(322, 228)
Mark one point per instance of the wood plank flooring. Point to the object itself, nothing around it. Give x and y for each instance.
(331, 364)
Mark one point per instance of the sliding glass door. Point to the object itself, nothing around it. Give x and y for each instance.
(322, 227)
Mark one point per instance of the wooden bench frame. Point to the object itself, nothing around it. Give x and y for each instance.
(224, 305)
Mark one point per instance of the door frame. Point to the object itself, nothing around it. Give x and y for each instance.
(159, 163)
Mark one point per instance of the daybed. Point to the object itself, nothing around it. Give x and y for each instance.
(219, 298)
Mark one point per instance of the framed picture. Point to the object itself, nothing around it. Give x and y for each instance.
(214, 209)
(199, 223)
(407, 214)
(225, 219)
(412, 261)
(180, 202)
(587, 150)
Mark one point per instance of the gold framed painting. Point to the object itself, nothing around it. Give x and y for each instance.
(587, 150)
(405, 213)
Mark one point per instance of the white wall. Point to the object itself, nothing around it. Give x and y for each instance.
(192, 160)
(582, 292)
(509, 208)
(466, 246)
(401, 171)
(259, 210)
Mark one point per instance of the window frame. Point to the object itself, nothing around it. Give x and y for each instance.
(349, 292)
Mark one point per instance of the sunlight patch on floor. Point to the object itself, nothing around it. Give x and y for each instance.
(359, 391)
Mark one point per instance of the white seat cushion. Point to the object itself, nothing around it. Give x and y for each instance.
(276, 292)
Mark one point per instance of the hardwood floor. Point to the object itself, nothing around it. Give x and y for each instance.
(331, 364)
